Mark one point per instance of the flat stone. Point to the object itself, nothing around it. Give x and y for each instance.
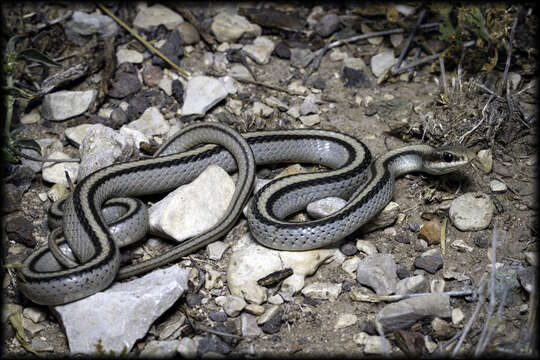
(150, 123)
(249, 325)
(497, 186)
(430, 263)
(195, 207)
(382, 61)
(150, 17)
(122, 314)
(327, 25)
(260, 50)
(404, 313)
(310, 120)
(233, 305)
(128, 55)
(325, 207)
(322, 291)
(77, 133)
(202, 93)
(230, 27)
(216, 249)
(62, 105)
(378, 271)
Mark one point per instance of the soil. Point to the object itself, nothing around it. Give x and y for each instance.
(395, 104)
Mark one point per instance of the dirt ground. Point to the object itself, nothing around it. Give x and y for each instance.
(420, 197)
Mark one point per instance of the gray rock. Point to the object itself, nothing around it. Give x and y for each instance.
(103, 146)
(300, 58)
(429, 262)
(413, 284)
(202, 93)
(160, 349)
(128, 55)
(123, 313)
(39, 344)
(216, 249)
(187, 348)
(471, 211)
(230, 27)
(382, 61)
(76, 134)
(325, 207)
(308, 107)
(378, 271)
(150, 123)
(62, 105)
(404, 313)
(150, 17)
(88, 24)
(323, 291)
(233, 305)
(249, 325)
(188, 33)
(260, 50)
(193, 208)
(124, 84)
(56, 172)
(327, 25)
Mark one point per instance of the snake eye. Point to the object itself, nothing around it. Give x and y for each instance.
(447, 156)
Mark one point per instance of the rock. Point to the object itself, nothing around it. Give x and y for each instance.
(62, 105)
(345, 320)
(350, 266)
(471, 211)
(325, 207)
(431, 262)
(485, 160)
(355, 63)
(57, 191)
(188, 33)
(150, 123)
(216, 249)
(212, 346)
(308, 107)
(124, 84)
(32, 327)
(260, 50)
(262, 110)
(461, 245)
(531, 257)
(337, 55)
(273, 325)
(413, 284)
(374, 345)
(160, 349)
(385, 218)
(275, 299)
(300, 58)
(271, 312)
(172, 48)
(366, 29)
(282, 50)
(178, 91)
(88, 24)
(274, 102)
(378, 271)
(250, 262)
(152, 75)
(76, 134)
(127, 55)
(348, 249)
(187, 348)
(497, 186)
(103, 146)
(327, 25)
(355, 78)
(481, 241)
(249, 325)
(150, 17)
(31, 118)
(367, 247)
(402, 271)
(123, 313)
(404, 313)
(457, 316)
(20, 229)
(39, 344)
(254, 309)
(297, 88)
(527, 278)
(396, 40)
(405, 10)
(442, 329)
(230, 27)
(310, 120)
(195, 207)
(202, 93)
(431, 231)
(382, 61)
(319, 83)
(35, 314)
(56, 172)
(239, 71)
(233, 305)
(323, 291)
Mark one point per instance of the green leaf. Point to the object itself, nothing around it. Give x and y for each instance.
(9, 156)
(28, 144)
(10, 47)
(16, 92)
(37, 56)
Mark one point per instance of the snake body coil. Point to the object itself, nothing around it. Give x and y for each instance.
(353, 175)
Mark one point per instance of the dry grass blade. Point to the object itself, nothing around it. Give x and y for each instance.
(145, 43)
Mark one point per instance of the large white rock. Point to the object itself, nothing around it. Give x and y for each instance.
(62, 105)
(203, 92)
(117, 317)
(155, 15)
(471, 211)
(150, 123)
(260, 50)
(251, 262)
(230, 27)
(195, 207)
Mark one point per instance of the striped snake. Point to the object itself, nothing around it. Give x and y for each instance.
(86, 259)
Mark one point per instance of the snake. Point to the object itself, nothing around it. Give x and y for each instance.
(92, 262)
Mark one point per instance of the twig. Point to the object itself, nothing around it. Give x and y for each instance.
(473, 317)
(508, 55)
(377, 298)
(415, 58)
(145, 43)
(405, 49)
(443, 75)
(492, 300)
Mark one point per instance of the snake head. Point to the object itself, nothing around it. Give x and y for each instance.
(447, 159)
